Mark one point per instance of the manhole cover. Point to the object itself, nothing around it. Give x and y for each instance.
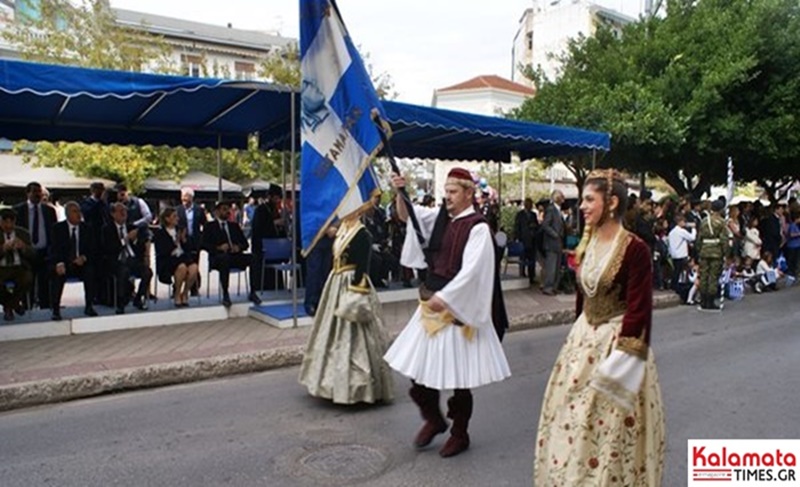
(344, 462)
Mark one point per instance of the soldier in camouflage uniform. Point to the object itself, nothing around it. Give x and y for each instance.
(712, 246)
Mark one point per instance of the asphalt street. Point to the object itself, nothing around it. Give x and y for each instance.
(729, 375)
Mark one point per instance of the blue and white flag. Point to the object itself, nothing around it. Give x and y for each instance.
(339, 136)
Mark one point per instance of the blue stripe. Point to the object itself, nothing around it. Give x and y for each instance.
(312, 12)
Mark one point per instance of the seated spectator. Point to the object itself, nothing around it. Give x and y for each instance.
(174, 259)
(192, 217)
(767, 274)
(123, 249)
(70, 254)
(225, 243)
(16, 263)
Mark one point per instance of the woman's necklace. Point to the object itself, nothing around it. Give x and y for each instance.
(598, 255)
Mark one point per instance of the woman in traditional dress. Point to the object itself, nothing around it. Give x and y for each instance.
(343, 360)
(174, 265)
(602, 420)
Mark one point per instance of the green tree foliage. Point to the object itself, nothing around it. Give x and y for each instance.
(679, 94)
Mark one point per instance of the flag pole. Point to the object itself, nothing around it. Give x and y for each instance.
(728, 233)
(403, 192)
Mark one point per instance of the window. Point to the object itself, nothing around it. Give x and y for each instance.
(244, 71)
(190, 65)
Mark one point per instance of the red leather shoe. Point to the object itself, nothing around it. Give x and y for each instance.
(454, 446)
(428, 432)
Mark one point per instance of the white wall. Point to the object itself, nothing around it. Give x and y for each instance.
(484, 101)
(552, 30)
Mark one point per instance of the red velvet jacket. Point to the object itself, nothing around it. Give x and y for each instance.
(625, 288)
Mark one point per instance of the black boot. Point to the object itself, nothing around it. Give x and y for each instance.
(428, 402)
(459, 409)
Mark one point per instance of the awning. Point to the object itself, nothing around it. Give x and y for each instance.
(62, 103)
(435, 133)
(199, 181)
(14, 173)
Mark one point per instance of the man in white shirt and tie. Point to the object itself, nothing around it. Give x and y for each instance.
(38, 219)
(225, 243)
(123, 250)
(70, 255)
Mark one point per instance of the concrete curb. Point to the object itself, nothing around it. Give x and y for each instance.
(61, 389)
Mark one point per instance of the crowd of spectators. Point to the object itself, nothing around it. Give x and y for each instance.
(106, 239)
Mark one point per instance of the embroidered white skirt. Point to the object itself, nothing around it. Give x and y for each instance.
(448, 360)
(588, 440)
(342, 360)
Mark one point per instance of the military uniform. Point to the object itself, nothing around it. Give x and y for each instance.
(712, 246)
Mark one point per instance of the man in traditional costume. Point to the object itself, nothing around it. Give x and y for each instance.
(451, 341)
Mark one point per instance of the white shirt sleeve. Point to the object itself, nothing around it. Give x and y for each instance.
(469, 295)
(147, 215)
(412, 256)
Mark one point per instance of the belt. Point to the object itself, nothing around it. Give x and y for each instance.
(434, 321)
(711, 240)
(344, 268)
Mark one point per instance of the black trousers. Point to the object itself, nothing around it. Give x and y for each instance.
(223, 263)
(123, 271)
(40, 290)
(85, 273)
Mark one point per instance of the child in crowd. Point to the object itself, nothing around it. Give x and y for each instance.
(767, 274)
(747, 272)
(693, 278)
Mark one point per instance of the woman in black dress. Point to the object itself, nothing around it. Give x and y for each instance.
(173, 263)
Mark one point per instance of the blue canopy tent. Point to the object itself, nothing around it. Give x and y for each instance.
(63, 103)
(436, 133)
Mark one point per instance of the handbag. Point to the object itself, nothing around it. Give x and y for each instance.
(354, 305)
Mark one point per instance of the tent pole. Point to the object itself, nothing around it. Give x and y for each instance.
(500, 183)
(594, 158)
(219, 167)
(294, 214)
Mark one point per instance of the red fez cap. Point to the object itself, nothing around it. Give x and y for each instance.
(460, 176)
(459, 173)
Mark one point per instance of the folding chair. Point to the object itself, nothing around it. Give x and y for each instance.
(278, 251)
(514, 252)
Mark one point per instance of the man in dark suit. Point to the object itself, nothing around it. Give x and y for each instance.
(225, 243)
(16, 257)
(526, 224)
(553, 242)
(94, 209)
(772, 232)
(71, 254)
(123, 252)
(192, 217)
(38, 219)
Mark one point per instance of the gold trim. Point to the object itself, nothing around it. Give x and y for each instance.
(613, 391)
(616, 261)
(337, 269)
(360, 289)
(633, 345)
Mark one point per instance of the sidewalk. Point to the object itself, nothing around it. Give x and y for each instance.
(56, 369)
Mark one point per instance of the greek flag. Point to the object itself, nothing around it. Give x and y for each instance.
(339, 136)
